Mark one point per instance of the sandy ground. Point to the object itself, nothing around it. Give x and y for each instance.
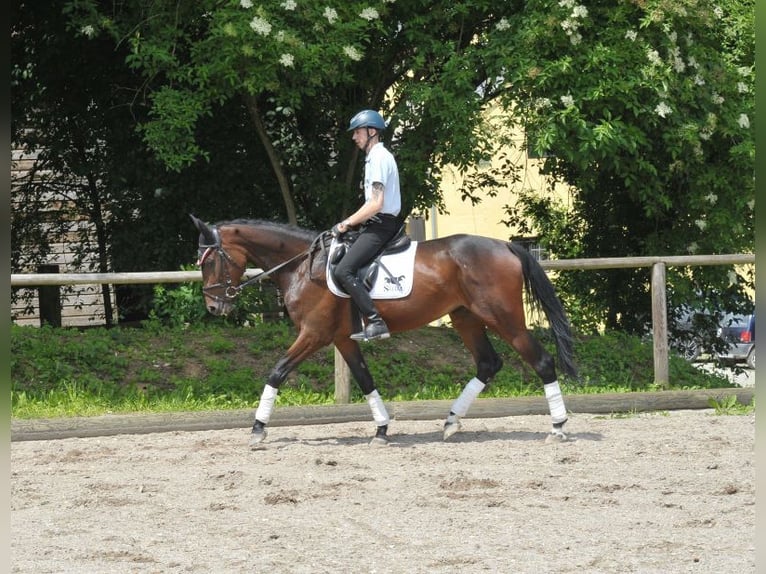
(664, 492)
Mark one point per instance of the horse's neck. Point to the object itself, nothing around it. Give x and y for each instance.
(270, 250)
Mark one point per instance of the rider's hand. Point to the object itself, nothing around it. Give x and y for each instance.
(340, 228)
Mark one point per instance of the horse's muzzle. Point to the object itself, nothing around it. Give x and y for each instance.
(219, 308)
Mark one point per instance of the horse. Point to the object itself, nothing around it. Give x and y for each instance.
(479, 282)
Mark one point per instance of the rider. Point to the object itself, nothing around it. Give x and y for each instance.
(378, 217)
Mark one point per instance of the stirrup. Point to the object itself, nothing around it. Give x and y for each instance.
(374, 330)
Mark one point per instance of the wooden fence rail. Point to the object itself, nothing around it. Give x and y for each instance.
(342, 377)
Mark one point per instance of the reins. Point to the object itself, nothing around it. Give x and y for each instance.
(232, 291)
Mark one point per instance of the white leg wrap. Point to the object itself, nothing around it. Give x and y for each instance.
(555, 402)
(379, 412)
(266, 404)
(465, 400)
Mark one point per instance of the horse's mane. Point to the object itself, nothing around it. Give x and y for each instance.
(291, 230)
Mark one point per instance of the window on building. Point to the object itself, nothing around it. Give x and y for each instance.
(531, 244)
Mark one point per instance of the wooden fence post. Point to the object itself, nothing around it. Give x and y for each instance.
(660, 325)
(342, 380)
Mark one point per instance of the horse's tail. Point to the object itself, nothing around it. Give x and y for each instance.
(543, 295)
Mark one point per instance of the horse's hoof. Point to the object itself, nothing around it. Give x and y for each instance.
(556, 436)
(381, 436)
(256, 438)
(451, 427)
(380, 441)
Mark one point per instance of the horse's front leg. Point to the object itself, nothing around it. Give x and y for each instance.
(303, 347)
(352, 354)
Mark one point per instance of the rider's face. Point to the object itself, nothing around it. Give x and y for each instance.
(361, 137)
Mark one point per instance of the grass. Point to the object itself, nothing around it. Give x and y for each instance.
(73, 372)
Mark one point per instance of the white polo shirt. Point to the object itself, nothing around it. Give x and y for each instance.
(380, 166)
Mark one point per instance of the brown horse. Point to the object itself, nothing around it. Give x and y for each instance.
(477, 281)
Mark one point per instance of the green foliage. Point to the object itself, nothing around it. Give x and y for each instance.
(730, 405)
(647, 108)
(651, 126)
(67, 372)
(177, 306)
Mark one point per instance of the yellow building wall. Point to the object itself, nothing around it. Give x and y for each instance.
(486, 218)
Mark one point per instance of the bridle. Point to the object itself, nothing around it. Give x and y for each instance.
(231, 291)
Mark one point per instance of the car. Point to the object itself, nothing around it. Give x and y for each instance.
(690, 331)
(738, 332)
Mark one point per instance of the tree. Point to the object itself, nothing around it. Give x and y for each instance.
(95, 186)
(650, 123)
(647, 107)
(302, 69)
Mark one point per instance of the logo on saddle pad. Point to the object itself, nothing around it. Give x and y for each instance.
(388, 276)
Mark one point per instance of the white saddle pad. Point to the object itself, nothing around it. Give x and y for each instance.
(395, 274)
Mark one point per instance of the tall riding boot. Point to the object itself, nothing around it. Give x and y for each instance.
(375, 327)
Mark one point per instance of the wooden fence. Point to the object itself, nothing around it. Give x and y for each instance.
(342, 376)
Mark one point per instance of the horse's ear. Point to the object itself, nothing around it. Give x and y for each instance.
(204, 229)
(197, 222)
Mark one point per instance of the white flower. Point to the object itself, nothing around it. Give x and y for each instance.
(246, 3)
(352, 53)
(654, 57)
(503, 24)
(369, 14)
(575, 38)
(631, 35)
(289, 5)
(567, 3)
(733, 277)
(699, 80)
(711, 198)
(693, 62)
(693, 247)
(742, 87)
(718, 11)
(705, 133)
(88, 31)
(260, 26)
(330, 14)
(743, 71)
(743, 121)
(568, 25)
(717, 98)
(543, 103)
(287, 60)
(580, 12)
(701, 223)
(672, 36)
(678, 64)
(280, 36)
(567, 100)
(663, 110)
(751, 204)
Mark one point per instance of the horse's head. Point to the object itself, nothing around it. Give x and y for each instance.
(221, 272)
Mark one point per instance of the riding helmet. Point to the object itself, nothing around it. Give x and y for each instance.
(367, 118)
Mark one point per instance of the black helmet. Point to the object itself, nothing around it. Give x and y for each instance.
(367, 118)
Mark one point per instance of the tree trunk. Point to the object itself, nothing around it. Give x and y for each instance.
(102, 240)
(284, 185)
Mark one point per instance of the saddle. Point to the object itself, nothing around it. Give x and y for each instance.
(369, 273)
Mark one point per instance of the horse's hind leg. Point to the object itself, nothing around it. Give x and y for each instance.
(473, 333)
(543, 364)
(352, 354)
